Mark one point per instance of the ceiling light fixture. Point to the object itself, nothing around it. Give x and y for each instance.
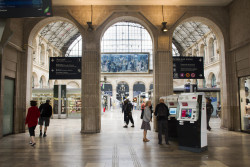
(90, 26)
(164, 24)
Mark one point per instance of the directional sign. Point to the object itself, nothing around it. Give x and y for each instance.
(65, 68)
(188, 68)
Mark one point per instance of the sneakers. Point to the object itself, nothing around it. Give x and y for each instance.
(30, 143)
(44, 135)
(126, 126)
(33, 144)
(133, 126)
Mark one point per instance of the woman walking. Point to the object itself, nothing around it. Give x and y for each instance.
(32, 120)
(146, 119)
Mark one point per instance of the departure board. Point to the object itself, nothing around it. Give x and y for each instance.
(25, 8)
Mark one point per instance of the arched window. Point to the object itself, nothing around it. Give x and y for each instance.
(211, 50)
(204, 83)
(175, 51)
(42, 55)
(138, 88)
(41, 82)
(33, 82)
(213, 81)
(75, 49)
(127, 37)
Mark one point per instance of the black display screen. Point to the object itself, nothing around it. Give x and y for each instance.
(25, 8)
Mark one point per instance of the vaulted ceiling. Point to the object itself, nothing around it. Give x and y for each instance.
(144, 2)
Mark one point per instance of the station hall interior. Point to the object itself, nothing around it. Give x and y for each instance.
(125, 49)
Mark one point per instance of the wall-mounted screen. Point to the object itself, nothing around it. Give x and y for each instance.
(186, 113)
(172, 111)
(124, 62)
(25, 8)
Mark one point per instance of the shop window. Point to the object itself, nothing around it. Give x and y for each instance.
(245, 103)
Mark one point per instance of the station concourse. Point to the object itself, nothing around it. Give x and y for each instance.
(88, 57)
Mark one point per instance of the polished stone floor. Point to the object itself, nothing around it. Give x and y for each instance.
(115, 146)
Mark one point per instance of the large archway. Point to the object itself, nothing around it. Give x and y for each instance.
(210, 54)
(54, 37)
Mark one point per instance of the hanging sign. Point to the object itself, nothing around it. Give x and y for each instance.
(65, 68)
(188, 68)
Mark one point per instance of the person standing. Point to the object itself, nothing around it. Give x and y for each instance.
(162, 113)
(127, 110)
(146, 119)
(31, 120)
(210, 109)
(45, 112)
(218, 110)
(142, 109)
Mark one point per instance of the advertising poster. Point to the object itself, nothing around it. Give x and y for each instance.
(124, 63)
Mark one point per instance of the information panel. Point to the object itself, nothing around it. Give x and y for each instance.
(65, 68)
(25, 8)
(124, 62)
(188, 68)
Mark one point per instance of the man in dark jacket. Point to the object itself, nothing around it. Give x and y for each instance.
(210, 109)
(45, 114)
(162, 113)
(127, 110)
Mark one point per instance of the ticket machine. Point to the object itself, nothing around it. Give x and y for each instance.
(173, 106)
(192, 128)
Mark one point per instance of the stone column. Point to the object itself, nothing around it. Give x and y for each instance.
(163, 70)
(91, 100)
(131, 91)
(114, 86)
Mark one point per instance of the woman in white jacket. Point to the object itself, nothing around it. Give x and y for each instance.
(146, 119)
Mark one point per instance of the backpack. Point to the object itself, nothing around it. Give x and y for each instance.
(162, 111)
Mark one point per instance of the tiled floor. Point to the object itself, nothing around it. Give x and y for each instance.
(119, 147)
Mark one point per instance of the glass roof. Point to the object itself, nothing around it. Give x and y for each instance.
(188, 33)
(60, 34)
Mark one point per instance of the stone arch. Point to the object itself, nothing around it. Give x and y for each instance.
(138, 82)
(73, 84)
(31, 32)
(34, 80)
(128, 17)
(42, 82)
(221, 32)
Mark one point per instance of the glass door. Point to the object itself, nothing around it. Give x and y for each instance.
(8, 106)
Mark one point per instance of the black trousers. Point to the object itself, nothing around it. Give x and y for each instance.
(208, 119)
(128, 117)
(162, 127)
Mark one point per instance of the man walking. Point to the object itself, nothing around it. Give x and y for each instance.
(45, 114)
(162, 113)
(210, 109)
(127, 109)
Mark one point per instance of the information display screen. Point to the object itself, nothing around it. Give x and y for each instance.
(25, 8)
(186, 113)
(172, 111)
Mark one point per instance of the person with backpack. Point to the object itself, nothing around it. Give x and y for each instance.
(45, 114)
(162, 113)
(127, 110)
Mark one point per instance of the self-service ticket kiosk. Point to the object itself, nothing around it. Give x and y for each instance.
(173, 106)
(192, 131)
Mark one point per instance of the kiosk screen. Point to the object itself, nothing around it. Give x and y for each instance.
(186, 113)
(172, 111)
